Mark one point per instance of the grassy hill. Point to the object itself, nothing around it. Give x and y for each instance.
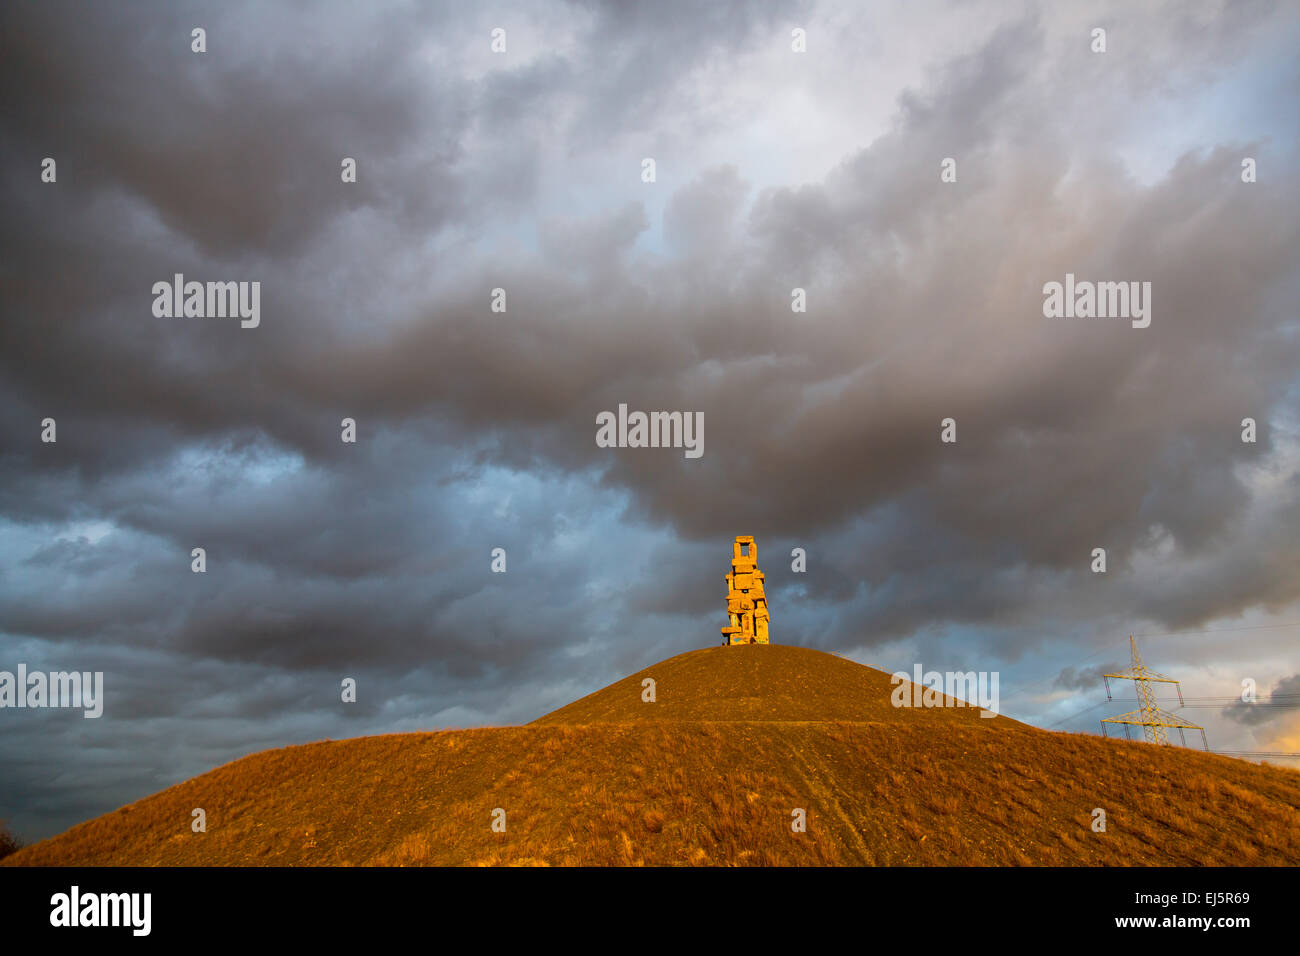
(709, 773)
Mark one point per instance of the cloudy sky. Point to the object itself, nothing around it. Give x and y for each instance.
(522, 170)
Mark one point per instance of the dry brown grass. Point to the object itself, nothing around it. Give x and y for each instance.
(681, 787)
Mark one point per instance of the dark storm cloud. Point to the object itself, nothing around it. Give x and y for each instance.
(476, 429)
(1271, 707)
(1085, 678)
(240, 152)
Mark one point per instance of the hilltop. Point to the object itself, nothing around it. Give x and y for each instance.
(762, 682)
(709, 773)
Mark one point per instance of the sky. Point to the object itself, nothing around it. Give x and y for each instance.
(522, 170)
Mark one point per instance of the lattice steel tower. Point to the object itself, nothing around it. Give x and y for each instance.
(1153, 721)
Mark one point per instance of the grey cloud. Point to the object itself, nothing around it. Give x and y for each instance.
(822, 429)
(1272, 706)
(1086, 678)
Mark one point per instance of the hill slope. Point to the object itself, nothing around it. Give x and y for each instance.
(737, 738)
(764, 682)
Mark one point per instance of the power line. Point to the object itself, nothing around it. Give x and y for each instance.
(1276, 701)
(1263, 705)
(1226, 753)
(1255, 753)
(1072, 716)
(1217, 630)
(1231, 697)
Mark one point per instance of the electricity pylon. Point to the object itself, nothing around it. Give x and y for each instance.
(1153, 721)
